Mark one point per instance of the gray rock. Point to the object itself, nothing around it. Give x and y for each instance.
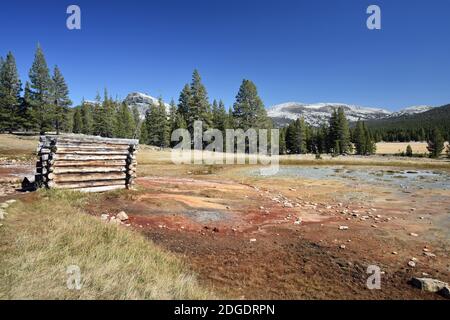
(122, 216)
(428, 284)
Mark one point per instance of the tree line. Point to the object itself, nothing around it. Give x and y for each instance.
(45, 102)
(334, 137)
(45, 106)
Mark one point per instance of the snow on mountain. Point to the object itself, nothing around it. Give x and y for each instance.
(412, 110)
(142, 101)
(317, 113)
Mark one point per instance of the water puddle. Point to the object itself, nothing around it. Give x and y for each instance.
(405, 180)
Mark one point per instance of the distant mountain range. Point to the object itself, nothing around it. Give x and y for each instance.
(317, 113)
(282, 114)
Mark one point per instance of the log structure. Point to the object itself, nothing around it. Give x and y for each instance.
(85, 163)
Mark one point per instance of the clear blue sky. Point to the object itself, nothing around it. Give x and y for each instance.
(306, 51)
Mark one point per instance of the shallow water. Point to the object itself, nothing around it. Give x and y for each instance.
(402, 179)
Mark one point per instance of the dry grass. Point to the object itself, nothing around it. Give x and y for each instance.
(18, 147)
(41, 237)
(399, 147)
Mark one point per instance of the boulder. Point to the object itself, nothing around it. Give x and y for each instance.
(428, 284)
(122, 216)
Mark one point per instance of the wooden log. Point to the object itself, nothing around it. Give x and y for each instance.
(91, 139)
(94, 152)
(59, 170)
(86, 177)
(94, 163)
(84, 157)
(101, 189)
(87, 147)
(76, 185)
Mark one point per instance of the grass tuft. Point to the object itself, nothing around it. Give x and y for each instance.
(40, 238)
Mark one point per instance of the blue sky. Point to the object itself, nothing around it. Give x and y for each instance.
(306, 51)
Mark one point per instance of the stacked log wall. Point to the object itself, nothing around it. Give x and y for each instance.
(86, 163)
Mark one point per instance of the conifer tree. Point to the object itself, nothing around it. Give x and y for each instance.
(219, 115)
(339, 134)
(104, 116)
(87, 118)
(359, 138)
(371, 146)
(157, 125)
(124, 122)
(199, 107)
(10, 88)
(137, 122)
(435, 143)
(27, 114)
(173, 114)
(60, 100)
(40, 92)
(230, 120)
(184, 102)
(248, 110)
(143, 134)
(77, 121)
(296, 136)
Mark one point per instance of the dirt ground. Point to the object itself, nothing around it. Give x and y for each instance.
(281, 239)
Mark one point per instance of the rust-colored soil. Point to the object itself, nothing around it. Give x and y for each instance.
(269, 240)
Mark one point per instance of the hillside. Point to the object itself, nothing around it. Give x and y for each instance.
(402, 126)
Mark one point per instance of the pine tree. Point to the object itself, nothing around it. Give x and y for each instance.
(184, 102)
(87, 118)
(173, 113)
(199, 107)
(219, 115)
(60, 100)
(27, 114)
(40, 93)
(157, 125)
(296, 137)
(339, 135)
(230, 119)
(248, 110)
(359, 138)
(143, 134)
(104, 116)
(10, 88)
(124, 122)
(371, 146)
(77, 121)
(137, 121)
(435, 143)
